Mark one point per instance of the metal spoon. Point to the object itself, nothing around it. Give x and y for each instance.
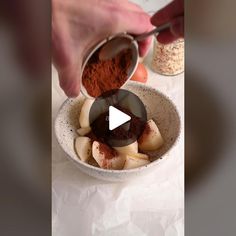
(116, 45)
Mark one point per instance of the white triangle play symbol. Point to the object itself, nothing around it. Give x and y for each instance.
(117, 118)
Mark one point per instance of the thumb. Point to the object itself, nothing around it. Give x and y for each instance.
(137, 23)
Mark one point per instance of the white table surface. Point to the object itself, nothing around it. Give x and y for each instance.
(84, 206)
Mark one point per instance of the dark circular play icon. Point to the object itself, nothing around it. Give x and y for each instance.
(117, 117)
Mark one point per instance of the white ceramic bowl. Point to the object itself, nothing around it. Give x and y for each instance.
(159, 108)
(134, 62)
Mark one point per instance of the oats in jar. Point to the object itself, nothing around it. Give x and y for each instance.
(168, 59)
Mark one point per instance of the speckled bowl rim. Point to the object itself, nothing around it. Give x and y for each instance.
(135, 59)
(139, 169)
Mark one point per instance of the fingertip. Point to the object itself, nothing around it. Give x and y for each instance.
(73, 91)
(72, 94)
(69, 84)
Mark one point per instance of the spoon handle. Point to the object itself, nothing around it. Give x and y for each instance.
(156, 30)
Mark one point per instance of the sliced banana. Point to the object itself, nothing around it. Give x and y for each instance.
(132, 162)
(84, 113)
(83, 147)
(83, 131)
(131, 148)
(109, 159)
(151, 138)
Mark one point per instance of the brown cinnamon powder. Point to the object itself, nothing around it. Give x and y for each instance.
(147, 130)
(101, 76)
(109, 152)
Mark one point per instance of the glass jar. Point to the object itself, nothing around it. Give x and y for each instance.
(168, 59)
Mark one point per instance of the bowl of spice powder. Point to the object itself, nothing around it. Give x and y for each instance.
(101, 76)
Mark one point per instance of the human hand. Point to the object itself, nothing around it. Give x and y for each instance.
(174, 13)
(77, 25)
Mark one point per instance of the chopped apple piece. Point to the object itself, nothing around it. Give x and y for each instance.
(132, 162)
(151, 138)
(83, 147)
(84, 113)
(83, 131)
(106, 157)
(131, 148)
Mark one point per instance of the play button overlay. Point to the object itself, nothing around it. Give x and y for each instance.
(117, 118)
